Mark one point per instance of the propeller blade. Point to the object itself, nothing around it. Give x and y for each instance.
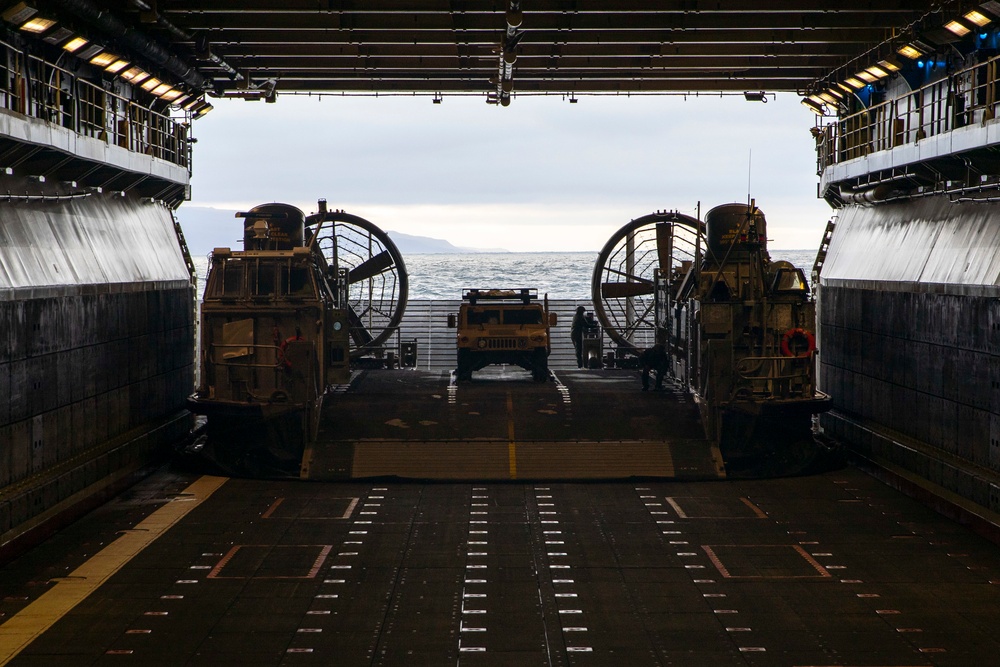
(358, 331)
(664, 243)
(622, 290)
(370, 267)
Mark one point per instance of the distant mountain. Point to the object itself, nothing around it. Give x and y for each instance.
(207, 228)
(407, 243)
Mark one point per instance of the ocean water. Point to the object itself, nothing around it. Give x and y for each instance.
(562, 275)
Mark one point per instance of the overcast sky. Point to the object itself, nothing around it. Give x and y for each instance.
(541, 174)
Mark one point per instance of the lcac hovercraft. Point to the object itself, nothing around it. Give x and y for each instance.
(281, 322)
(736, 328)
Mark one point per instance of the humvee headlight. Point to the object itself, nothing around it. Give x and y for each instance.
(482, 343)
(537, 338)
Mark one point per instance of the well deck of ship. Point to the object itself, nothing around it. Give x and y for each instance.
(503, 426)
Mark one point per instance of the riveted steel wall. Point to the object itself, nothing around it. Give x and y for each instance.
(96, 347)
(909, 318)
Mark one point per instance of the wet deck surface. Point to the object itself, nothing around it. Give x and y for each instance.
(833, 569)
(504, 426)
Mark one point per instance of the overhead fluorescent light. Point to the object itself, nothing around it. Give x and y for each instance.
(890, 65)
(956, 28)
(827, 97)
(836, 93)
(170, 95)
(134, 75)
(160, 89)
(116, 66)
(150, 83)
(203, 110)
(977, 18)
(855, 82)
(19, 13)
(193, 103)
(181, 100)
(877, 72)
(867, 76)
(815, 107)
(103, 59)
(846, 89)
(910, 52)
(75, 44)
(58, 36)
(37, 25)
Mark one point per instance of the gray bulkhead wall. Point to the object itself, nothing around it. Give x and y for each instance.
(96, 339)
(909, 317)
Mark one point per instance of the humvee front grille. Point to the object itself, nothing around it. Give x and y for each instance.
(503, 343)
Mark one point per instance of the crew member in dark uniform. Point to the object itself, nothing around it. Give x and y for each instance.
(653, 359)
(576, 333)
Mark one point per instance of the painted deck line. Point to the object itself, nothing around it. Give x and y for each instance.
(26, 626)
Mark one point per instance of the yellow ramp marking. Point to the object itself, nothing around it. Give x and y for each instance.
(511, 444)
(25, 626)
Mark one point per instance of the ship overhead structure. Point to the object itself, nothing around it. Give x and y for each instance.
(907, 138)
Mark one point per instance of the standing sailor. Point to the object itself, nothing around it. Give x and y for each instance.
(576, 333)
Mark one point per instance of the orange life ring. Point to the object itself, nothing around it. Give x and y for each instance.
(281, 350)
(792, 334)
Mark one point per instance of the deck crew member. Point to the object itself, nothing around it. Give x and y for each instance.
(653, 359)
(576, 333)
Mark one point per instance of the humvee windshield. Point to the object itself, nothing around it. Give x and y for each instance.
(526, 316)
(490, 316)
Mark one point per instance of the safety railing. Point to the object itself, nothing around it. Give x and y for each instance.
(966, 97)
(37, 88)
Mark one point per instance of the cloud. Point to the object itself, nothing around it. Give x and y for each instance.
(469, 172)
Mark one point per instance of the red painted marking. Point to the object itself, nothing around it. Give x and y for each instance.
(270, 510)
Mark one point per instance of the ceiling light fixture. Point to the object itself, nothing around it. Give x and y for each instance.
(103, 59)
(116, 66)
(37, 25)
(956, 28)
(75, 44)
(909, 51)
(977, 18)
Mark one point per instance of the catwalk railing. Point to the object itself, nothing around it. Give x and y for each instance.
(39, 89)
(965, 97)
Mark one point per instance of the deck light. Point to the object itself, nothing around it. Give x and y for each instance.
(877, 72)
(890, 65)
(814, 106)
(75, 44)
(150, 83)
(103, 59)
(170, 95)
(846, 89)
(956, 28)
(135, 75)
(910, 52)
(203, 110)
(867, 76)
(191, 104)
(37, 25)
(58, 36)
(180, 100)
(116, 66)
(828, 98)
(855, 82)
(977, 18)
(19, 13)
(160, 89)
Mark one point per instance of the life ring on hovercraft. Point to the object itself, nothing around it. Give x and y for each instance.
(282, 359)
(791, 343)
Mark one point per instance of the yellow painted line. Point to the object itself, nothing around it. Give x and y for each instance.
(511, 443)
(26, 626)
